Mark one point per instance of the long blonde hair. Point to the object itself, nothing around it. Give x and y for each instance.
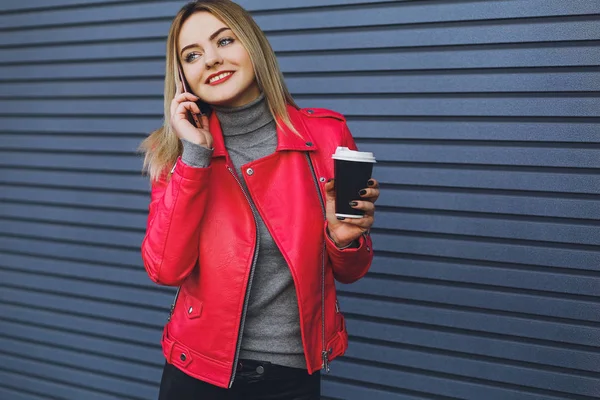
(163, 147)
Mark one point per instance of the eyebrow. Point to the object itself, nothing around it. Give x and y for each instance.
(214, 35)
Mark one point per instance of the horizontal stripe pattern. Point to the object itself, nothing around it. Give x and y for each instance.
(483, 115)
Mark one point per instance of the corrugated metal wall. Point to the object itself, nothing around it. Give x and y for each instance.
(484, 116)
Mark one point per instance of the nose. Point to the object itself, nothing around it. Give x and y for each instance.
(212, 58)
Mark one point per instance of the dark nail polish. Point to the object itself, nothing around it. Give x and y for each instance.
(353, 203)
(371, 182)
(330, 179)
(362, 192)
(341, 218)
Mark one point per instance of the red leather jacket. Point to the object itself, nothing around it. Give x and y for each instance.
(201, 236)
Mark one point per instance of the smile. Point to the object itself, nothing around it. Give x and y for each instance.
(220, 78)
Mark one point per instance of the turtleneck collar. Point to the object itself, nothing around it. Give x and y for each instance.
(244, 119)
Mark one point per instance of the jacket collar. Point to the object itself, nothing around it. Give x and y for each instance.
(286, 139)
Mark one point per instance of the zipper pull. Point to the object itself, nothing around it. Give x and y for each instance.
(337, 306)
(325, 365)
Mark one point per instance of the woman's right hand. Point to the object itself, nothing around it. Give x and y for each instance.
(182, 103)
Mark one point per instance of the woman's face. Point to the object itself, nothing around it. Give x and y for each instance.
(216, 65)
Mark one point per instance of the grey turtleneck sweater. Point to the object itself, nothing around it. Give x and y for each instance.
(272, 327)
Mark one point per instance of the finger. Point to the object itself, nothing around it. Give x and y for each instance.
(204, 122)
(364, 223)
(181, 97)
(330, 188)
(374, 197)
(191, 106)
(372, 183)
(182, 108)
(185, 96)
(366, 206)
(370, 194)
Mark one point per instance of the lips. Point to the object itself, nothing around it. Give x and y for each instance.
(219, 77)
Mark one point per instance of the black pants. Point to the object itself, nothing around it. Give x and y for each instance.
(254, 380)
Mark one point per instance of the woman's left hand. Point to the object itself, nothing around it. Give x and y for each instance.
(346, 230)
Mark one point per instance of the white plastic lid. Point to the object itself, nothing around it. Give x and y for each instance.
(344, 153)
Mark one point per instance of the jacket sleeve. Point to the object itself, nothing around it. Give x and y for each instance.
(350, 264)
(170, 247)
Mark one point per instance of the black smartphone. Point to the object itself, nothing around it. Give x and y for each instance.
(204, 108)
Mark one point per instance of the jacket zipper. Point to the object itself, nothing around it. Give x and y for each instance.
(179, 287)
(173, 304)
(324, 351)
(247, 296)
(254, 258)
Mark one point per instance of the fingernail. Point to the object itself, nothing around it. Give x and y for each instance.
(362, 192)
(330, 179)
(371, 182)
(353, 203)
(341, 218)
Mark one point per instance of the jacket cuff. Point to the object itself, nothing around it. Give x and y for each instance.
(350, 264)
(188, 172)
(355, 244)
(353, 247)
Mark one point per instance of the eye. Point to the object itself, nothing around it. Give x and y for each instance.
(192, 56)
(224, 41)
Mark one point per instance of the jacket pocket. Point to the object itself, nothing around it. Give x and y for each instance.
(337, 345)
(193, 306)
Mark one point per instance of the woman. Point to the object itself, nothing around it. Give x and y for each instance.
(244, 222)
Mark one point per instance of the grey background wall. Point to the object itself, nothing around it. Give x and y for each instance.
(484, 116)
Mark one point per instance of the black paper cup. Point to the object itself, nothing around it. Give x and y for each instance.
(353, 170)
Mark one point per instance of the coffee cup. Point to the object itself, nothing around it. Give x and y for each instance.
(352, 171)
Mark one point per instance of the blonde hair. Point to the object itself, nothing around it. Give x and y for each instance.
(163, 146)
